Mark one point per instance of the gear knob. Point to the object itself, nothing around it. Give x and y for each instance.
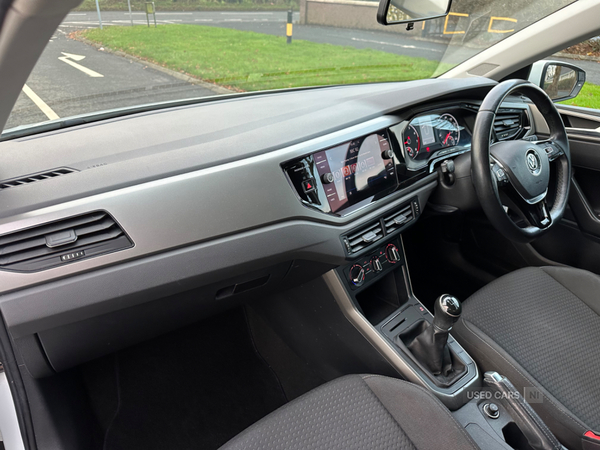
(447, 310)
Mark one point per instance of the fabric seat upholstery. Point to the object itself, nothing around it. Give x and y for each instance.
(541, 328)
(358, 412)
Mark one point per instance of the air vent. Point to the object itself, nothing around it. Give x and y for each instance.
(35, 177)
(61, 242)
(398, 219)
(508, 123)
(363, 237)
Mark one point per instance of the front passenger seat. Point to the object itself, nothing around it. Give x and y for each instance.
(540, 327)
(358, 412)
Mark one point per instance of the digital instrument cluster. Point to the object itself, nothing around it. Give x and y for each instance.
(429, 135)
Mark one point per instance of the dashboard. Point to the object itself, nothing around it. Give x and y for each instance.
(210, 199)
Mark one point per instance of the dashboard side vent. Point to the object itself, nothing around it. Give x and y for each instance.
(398, 219)
(362, 237)
(508, 123)
(61, 242)
(14, 182)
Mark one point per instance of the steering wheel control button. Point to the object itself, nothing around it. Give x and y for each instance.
(357, 275)
(500, 174)
(553, 152)
(327, 178)
(392, 254)
(491, 410)
(376, 264)
(309, 185)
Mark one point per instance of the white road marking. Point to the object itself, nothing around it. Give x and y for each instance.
(203, 20)
(82, 23)
(68, 59)
(50, 114)
(232, 20)
(141, 22)
(73, 57)
(396, 45)
(163, 13)
(75, 26)
(127, 21)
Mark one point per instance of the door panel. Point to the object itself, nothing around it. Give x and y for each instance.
(585, 148)
(576, 240)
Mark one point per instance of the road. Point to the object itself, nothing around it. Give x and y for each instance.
(273, 22)
(69, 91)
(73, 78)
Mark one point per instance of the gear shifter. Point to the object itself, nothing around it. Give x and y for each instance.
(446, 312)
(430, 346)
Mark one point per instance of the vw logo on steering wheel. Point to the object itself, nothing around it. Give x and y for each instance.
(533, 162)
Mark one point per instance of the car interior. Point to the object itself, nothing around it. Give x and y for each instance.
(401, 265)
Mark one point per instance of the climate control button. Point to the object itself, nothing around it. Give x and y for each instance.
(357, 275)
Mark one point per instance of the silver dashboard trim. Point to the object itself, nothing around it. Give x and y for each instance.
(334, 283)
(170, 213)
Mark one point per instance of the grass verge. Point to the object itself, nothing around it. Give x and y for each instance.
(249, 61)
(589, 97)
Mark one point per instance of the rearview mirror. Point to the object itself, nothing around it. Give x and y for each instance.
(560, 80)
(406, 11)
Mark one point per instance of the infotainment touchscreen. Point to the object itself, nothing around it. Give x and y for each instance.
(357, 171)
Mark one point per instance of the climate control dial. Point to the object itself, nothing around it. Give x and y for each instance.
(376, 264)
(392, 253)
(357, 275)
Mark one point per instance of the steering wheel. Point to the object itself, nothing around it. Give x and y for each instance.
(519, 171)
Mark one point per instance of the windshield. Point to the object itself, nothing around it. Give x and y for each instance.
(104, 57)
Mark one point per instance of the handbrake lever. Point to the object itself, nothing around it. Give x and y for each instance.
(533, 427)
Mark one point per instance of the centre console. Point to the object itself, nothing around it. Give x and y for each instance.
(378, 299)
(375, 294)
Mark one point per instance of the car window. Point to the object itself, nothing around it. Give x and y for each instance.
(105, 58)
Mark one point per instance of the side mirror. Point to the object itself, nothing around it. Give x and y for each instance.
(560, 80)
(406, 11)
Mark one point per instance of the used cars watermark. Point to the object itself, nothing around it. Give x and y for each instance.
(530, 394)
